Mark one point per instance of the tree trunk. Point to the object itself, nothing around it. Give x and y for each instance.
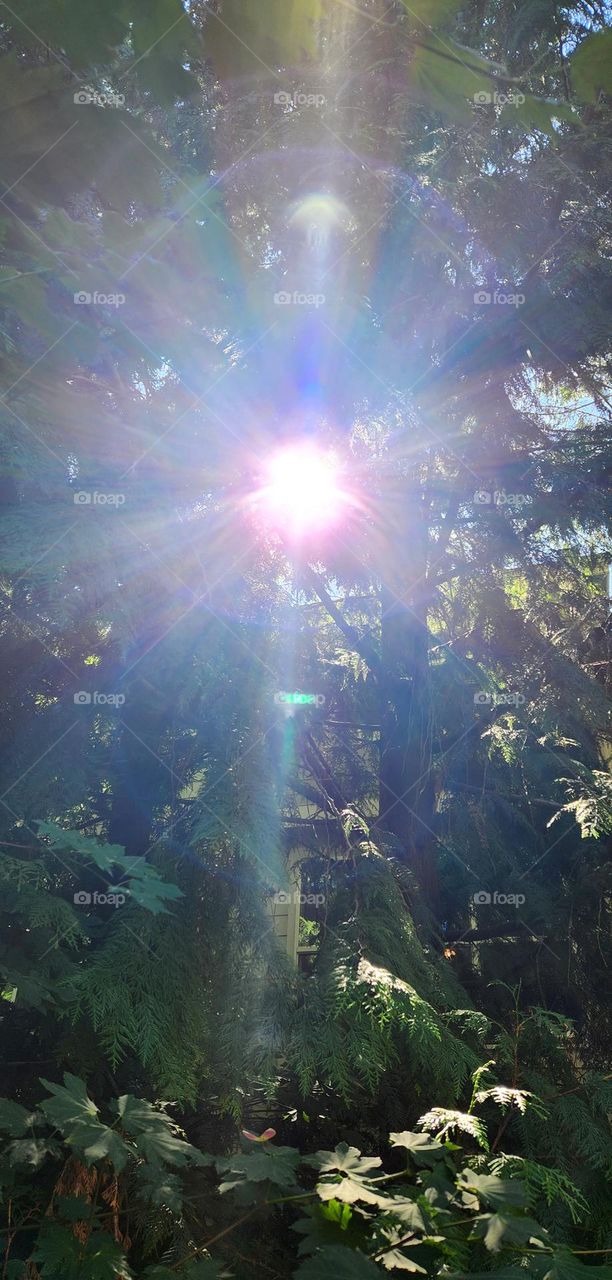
(407, 793)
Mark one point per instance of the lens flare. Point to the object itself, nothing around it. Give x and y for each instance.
(302, 492)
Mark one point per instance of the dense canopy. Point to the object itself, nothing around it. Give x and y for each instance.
(306, 811)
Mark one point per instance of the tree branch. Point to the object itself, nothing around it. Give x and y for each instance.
(358, 643)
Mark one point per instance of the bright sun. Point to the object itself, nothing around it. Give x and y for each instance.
(302, 492)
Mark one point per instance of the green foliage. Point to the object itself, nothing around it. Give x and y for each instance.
(140, 1148)
(75, 1115)
(543, 1183)
(590, 66)
(143, 881)
(435, 1212)
(62, 1256)
(345, 1175)
(337, 1263)
(590, 805)
(192, 196)
(434, 15)
(427, 1219)
(444, 1122)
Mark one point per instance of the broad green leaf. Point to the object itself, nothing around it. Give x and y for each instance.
(338, 1263)
(407, 1212)
(350, 1190)
(507, 1229)
(466, 56)
(21, 85)
(421, 1146)
(85, 30)
(498, 1191)
(138, 1116)
(327, 1223)
(161, 1145)
(156, 21)
(154, 1133)
(351, 1171)
(144, 884)
(447, 87)
(15, 1120)
(537, 113)
(250, 39)
(566, 1266)
(102, 1144)
(431, 13)
(62, 232)
(153, 893)
(105, 856)
(261, 1164)
(394, 1258)
(162, 34)
(75, 1115)
(70, 1103)
(61, 1256)
(344, 1159)
(166, 78)
(591, 66)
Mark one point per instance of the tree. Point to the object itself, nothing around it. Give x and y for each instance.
(456, 624)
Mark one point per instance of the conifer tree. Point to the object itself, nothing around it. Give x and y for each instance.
(171, 174)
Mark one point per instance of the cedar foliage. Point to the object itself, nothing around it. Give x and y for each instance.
(458, 627)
